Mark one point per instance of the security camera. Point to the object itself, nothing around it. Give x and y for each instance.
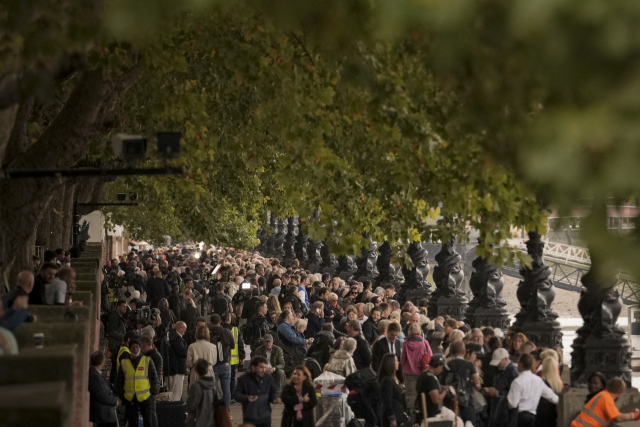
(169, 145)
(127, 146)
(133, 197)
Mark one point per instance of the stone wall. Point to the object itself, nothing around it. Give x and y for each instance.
(48, 386)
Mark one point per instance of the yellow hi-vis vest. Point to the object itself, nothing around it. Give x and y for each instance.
(235, 355)
(122, 350)
(113, 297)
(136, 382)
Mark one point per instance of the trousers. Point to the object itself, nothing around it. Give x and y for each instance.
(526, 419)
(147, 408)
(223, 373)
(176, 383)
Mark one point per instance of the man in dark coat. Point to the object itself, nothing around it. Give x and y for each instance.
(249, 308)
(177, 368)
(117, 327)
(157, 288)
(388, 344)
(362, 355)
(102, 403)
(256, 387)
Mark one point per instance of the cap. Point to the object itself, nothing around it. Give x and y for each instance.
(438, 360)
(498, 355)
(268, 337)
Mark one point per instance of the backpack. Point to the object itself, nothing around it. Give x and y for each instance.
(220, 304)
(459, 384)
(222, 343)
(313, 366)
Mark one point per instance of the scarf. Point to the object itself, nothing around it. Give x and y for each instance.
(298, 407)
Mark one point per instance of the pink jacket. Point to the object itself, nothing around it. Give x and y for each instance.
(413, 350)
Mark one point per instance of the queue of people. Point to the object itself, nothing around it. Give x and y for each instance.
(192, 314)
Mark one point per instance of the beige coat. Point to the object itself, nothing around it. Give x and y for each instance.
(341, 364)
(201, 349)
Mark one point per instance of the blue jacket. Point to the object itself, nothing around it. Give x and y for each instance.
(289, 335)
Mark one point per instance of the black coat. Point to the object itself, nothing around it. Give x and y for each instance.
(380, 348)
(314, 325)
(154, 354)
(321, 347)
(393, 402)
(157, 288)
(290, 398)
(117, 328)
(249, 308)
(370, 330)
(102, 403)
(362, 354)
(177, 355)
(189, 316)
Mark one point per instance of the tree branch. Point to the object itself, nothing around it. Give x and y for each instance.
(301, 43)
(70, 133)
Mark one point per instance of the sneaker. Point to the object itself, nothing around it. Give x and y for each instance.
(233, 401)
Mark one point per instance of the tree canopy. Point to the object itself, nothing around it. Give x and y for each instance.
(381, 114)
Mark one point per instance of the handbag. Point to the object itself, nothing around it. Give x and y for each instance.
(221, 414)
(424, 363)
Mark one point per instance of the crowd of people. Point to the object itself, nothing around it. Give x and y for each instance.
(184, 312)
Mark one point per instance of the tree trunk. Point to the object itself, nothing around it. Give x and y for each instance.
(62, 145)
(67, 225)
(56, 212)
(43, 236)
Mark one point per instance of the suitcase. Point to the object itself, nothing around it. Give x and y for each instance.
(171, 414)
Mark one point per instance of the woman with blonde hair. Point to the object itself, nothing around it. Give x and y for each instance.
(367, 309)
(273, 304)
(547, 412)
(201, 349)
(454, 336)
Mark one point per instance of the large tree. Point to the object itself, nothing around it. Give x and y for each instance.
(380, 114)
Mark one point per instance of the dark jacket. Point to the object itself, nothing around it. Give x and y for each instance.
(102, 403)
(370, 330)
(200, 403)
(259, 326)
(153, 376)
(224, 336)
(257, 412)
(380, 348)
(176, 304)
(157, 288)
(36, 297)
(154, 354)
(320, 349)
(189, 316)
(177, 354)
(362, 355)
(117, 326)
(392, 400)
(314, 325)
(277, 356)
(290, 399)
(249, 308)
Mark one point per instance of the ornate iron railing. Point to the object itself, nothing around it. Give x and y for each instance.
(568, 276)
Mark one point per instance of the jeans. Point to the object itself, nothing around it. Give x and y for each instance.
(147, 408)
(223, 373)
(232, 387)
